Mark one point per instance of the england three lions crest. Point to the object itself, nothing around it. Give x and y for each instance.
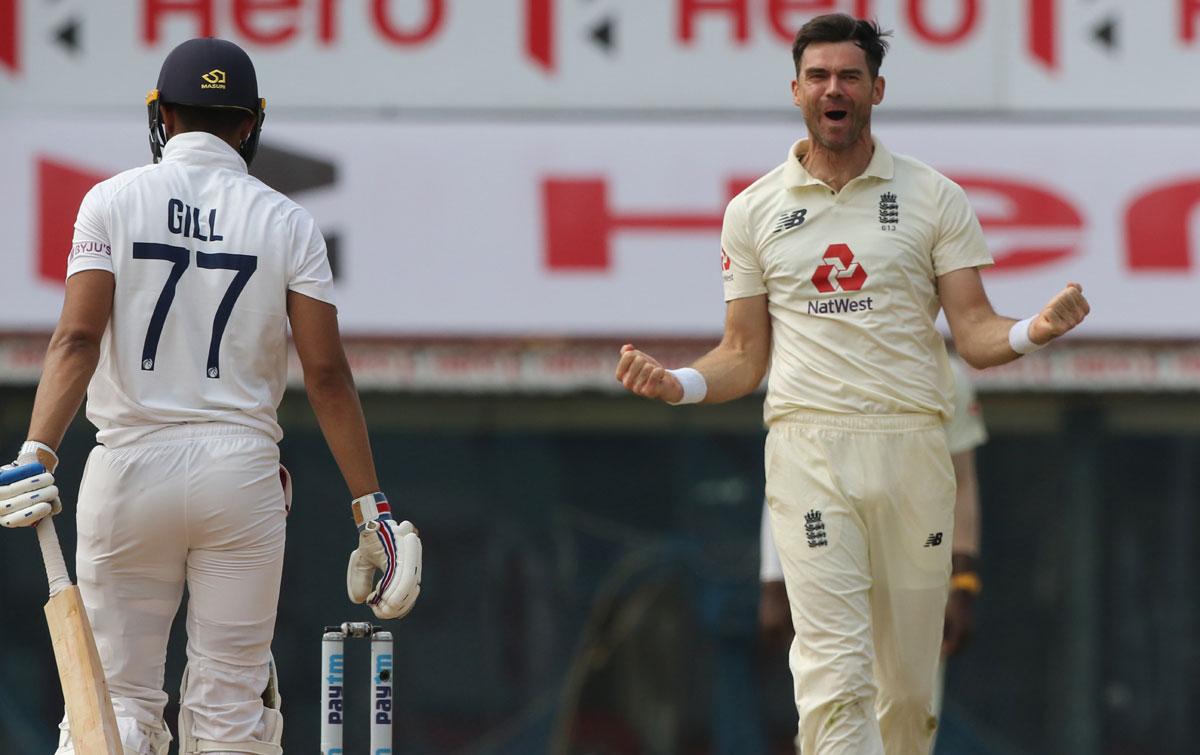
(889, 211)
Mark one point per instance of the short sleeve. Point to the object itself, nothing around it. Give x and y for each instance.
(966, 431)
(741, 269)
(91, 248)
(960, 243)
(310, 274)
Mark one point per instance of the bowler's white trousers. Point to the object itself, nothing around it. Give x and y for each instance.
(201, 505)
(862, 510)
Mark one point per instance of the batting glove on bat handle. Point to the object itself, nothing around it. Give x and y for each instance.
(27, 494)
(387, 546)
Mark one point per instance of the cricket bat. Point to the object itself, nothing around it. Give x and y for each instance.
(85, 691)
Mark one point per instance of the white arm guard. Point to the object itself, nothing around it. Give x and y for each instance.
(386, 546)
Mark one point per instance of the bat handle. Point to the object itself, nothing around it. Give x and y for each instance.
(52, 555)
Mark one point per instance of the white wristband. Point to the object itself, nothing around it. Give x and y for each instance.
(368, 508)
(1018, 337)
(30, 448)
(694, 386)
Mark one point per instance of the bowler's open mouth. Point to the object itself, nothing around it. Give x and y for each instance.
(835, 115)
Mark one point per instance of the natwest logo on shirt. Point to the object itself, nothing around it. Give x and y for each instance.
(839, 271)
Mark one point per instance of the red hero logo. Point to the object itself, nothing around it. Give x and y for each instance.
(724, 260)
(839, 271)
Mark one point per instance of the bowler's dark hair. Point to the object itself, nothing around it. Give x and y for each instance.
(839, 27)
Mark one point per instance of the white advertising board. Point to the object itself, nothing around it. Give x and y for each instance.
(381, 55)
(601, 229)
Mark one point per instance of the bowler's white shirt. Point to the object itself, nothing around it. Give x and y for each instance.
(199, 219)
(851, 282)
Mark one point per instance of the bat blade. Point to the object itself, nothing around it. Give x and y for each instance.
(85, 691)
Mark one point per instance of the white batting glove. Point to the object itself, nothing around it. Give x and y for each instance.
(386, 546)
(27, 490)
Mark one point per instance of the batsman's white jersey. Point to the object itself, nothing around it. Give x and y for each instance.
(203, 255)
(184, 488)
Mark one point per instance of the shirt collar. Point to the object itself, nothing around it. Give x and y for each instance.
(202, 148)
(882, 165)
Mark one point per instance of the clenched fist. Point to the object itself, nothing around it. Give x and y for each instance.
(642, 374)
(1066, 310)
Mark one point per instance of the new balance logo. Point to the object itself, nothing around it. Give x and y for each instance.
(789, 220)
(889, 211)
(934, 540)
(814, 529)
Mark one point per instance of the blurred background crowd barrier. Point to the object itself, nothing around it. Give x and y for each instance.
(511, 189)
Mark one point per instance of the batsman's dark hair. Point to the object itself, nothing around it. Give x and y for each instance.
(224, 122)
(840, 27)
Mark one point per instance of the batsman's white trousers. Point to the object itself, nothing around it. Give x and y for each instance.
(862, 510)
(200, 505)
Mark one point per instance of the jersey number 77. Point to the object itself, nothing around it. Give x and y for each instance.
(179, 257)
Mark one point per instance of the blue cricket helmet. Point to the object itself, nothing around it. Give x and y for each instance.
(207, 72)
